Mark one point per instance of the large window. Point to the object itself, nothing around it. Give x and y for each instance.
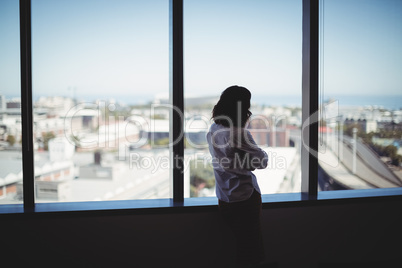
(360, 145)
(258, 45)
(106, 76)
(99, 68)
(10, 105)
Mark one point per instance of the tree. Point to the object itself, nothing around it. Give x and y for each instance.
(390, 151)
(201, 176)
(11, 140)
(397, 160)
(46, 138)
(348, 129)
(163, 142)
(76, 140)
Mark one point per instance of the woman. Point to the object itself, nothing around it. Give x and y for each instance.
(235, 155)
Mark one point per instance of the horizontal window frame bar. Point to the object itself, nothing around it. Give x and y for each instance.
(195, 205)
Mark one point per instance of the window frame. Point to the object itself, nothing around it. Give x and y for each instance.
(26, 106)
(309, 189)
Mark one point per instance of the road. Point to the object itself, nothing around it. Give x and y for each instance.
(371, 172)
(372, 161)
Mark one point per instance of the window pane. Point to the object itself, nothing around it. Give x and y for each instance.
(361, 96)
(10, 104)
(255, 44)
(97, 66)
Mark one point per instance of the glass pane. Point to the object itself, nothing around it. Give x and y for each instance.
(255, 44)
(361, 96)
(97, 67)
(10, 104)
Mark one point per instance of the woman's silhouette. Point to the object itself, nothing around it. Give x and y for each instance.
(235, 155)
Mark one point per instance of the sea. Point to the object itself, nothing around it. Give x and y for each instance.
(389, 102)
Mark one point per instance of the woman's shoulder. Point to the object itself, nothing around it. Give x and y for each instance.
(214, 127)
(219, 130)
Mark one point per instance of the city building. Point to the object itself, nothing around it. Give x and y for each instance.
(364, 125)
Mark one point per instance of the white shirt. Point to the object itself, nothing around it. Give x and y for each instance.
(234, 156)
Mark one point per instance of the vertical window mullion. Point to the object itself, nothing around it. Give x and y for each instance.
(309, 150)
(176, 97)
(26, 104)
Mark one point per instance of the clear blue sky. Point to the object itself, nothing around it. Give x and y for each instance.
(363, 46)
(107, 48)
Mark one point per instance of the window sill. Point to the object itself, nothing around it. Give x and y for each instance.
(201, 204)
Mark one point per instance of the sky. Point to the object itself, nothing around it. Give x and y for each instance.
(120, 48)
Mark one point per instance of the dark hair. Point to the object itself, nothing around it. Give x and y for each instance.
(233, 107)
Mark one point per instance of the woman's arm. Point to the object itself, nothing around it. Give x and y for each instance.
(247, 153)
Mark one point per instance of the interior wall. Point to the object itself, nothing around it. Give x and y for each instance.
(309, 236)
